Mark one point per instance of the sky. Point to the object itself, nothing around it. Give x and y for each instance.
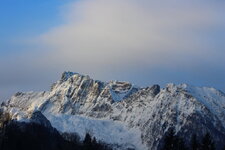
(141, 41)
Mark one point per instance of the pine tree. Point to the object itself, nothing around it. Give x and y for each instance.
(87, 143)
(194, 143)
(173, 142)
(90, 143)
(207, 143)
(169, 140)
(223, 147)
(179, 143)
(95, 144)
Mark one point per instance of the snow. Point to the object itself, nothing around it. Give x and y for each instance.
(213, 99)
(133, 116)
(119, 93)
(118, 96)
(108, 131)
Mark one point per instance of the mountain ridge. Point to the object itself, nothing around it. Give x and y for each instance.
(144, 113)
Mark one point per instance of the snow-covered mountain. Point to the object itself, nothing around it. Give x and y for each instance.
(122, 114)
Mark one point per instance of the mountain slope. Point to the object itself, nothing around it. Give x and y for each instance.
(123, 114)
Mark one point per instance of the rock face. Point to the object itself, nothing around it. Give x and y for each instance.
(38, 118)
(147, 113)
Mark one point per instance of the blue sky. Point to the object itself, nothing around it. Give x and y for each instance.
(23, 19)
(141, 41)
(26, 18)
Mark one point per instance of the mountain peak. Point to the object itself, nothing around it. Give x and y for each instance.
(66, 75)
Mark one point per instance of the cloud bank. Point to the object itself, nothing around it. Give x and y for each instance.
(137, 40)
(125, 32)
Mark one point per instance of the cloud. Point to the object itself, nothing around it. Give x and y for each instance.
(112, 33)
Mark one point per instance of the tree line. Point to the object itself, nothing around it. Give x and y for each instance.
(26, 136)
(175, 142)
(16, 135)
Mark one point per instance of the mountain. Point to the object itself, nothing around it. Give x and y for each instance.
(122, 114)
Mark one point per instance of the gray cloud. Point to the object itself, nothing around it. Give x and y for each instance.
(137, 40)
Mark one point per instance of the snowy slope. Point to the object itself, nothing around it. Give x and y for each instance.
(124, 114)
(103, 129)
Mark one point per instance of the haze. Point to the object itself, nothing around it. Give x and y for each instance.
(142, 41)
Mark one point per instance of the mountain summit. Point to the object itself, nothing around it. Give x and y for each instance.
(122, 114)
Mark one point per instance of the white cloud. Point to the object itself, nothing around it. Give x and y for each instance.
(109, 33)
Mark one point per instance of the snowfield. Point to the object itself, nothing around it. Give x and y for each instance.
(108, 131)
